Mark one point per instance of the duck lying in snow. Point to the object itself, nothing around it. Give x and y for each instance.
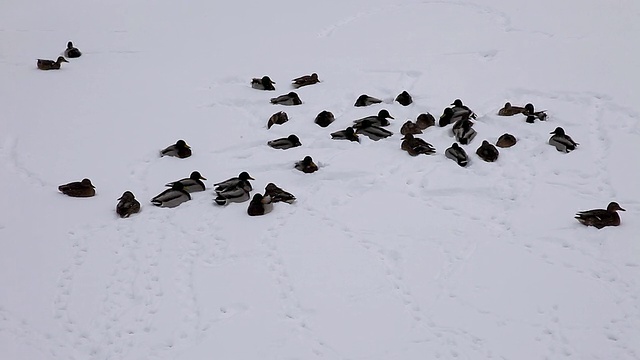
(601, 217)
(172, 197)
(82, 188)
(127, 205)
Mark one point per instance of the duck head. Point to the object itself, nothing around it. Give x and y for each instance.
(87, 182)
(613, 206)
(384, 114)
(294, 139)
(196, 176)
(245, 176)
(457, 102)
(61, 59)
(529, 108)
(127, 196)
(182, 144)
(307, 160)
(558, 131)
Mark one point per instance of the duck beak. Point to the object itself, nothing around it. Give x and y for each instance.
(202, 177)
(621, 209)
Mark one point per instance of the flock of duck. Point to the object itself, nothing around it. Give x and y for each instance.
(237, 189)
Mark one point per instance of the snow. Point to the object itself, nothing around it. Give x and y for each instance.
(383, 256)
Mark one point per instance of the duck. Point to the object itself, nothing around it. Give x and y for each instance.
(306, 165)
(72, 52)
(506, 140)
(463, 131)
(457, 154)
(366, 100)
(449, 116)
(601, 217)
(510, 110)
(532, 115)
(191, 184)
(235, 189)
(232, 195)
(487, 152)
(278, 195)
(278, 118)
(127, 205)
(264, 83)
(259, 205)
(241, 181)
(416, 146)
(288, 99)
(180, 150)
(425, 120)
(410, 127)
(378, 120)
(289, 142)
(324, 118)
(373, 132)
(305, 80)
(82, 188)
(50, 64)
(404, 99)
(460, 108)
(562, 141)
(172, 197)
(346, 134)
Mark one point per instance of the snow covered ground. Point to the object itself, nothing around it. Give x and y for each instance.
(383, 256)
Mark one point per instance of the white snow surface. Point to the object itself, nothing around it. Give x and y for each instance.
(383, 256)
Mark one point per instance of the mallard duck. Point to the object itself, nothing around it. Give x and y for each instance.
(72, 52)
(127, 205)
(172, 197)
(288, 99)
(82, 188)
(277, 194)
(346, 134)
(425, 120)
(234, 195)
(180, 149)
(532, 115)
(264, 83)
(234, 189)
(366, 100)
(449, 116)
(410, 127)
(378, 120)
(506, 140)
(562, 141)
(459, 108)
(191, 184)
(305, 80)
(50, 64)
(601, 217)
(416, 146)
(404, 99)
(259, 205)
(373, 132)
(324, 118)
(306, 165)
(241, 181)
(457, 154)
(463, 131)
(510, 110)
(289, 142)
(487, 152)
(278, 118)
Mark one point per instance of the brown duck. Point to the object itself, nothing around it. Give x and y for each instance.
(50, 64)
(601, 217)
(82, 188)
